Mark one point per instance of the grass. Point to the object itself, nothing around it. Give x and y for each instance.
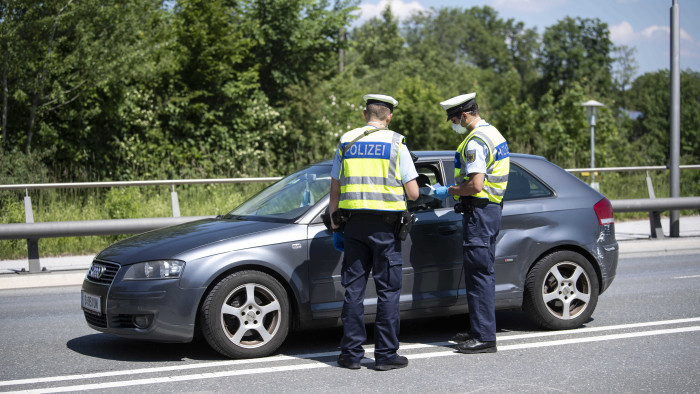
(114, 203)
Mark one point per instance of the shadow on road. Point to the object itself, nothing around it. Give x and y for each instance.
(109, 347)
(429, 330)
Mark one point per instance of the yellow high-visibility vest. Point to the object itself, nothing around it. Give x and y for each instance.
(370, 175)
(497, 164)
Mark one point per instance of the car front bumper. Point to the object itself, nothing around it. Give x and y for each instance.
(156, 310)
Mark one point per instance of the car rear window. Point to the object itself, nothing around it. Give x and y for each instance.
(522, 185)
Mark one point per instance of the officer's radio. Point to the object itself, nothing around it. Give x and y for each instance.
(405, 224)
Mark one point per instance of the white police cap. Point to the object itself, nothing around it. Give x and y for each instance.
(381, 99)
(454, 105)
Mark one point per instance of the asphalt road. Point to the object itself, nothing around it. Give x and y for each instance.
(644, 337)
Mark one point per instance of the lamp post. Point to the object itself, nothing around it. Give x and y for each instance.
(591, 113)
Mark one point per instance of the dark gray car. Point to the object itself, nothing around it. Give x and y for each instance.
(245, 279)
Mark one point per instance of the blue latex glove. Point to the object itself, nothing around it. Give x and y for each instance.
(339, 242)
(441, 192)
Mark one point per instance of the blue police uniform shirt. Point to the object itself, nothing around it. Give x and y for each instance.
(406, 166)
(480, 151)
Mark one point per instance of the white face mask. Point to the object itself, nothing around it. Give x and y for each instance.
(458, 128)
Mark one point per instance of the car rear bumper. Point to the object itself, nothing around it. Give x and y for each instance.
(607, 256)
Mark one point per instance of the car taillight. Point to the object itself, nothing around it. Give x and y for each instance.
(603, 209)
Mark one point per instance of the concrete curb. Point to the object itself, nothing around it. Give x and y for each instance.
(659, 245)
(44, 279)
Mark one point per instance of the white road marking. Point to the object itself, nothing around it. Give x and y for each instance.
(686, 277)
(319, 364)
(572, 341)
(175, 378)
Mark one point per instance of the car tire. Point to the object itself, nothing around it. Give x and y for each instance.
(561, 291)
(245, 315)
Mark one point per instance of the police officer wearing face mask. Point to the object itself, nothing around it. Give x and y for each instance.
(482, 164)
(371, 170)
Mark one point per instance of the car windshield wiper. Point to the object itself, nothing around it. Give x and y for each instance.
(235, 217)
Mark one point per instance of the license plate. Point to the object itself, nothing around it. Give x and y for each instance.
(91, 303)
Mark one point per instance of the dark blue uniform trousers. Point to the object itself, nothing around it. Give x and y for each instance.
(371, 246)
(481, 228)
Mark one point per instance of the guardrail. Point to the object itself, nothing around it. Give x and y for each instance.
(623, 169)
(80, 228)
(35, 231)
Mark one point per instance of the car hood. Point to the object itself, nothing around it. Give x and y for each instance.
(170, 242)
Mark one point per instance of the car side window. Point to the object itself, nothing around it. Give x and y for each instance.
(429, 174)
(522, 185)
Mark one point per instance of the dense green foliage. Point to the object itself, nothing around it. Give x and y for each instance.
(154, 89)
(132, 89)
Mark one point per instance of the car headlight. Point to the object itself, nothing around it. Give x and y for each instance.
(157, 269)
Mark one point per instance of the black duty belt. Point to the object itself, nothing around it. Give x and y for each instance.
(388, 217)
(468, 203)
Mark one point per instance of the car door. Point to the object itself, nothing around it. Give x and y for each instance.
(432, 253)
(325, 291)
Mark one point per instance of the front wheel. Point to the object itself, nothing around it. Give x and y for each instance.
(246, 315)
(561, 291)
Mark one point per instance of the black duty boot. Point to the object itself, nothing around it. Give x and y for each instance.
(345, 362)
(399, 362)
(476, 346)
(461, 337)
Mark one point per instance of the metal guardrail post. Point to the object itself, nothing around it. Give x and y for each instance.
(175, 203)
(32, 243)
(657, 230)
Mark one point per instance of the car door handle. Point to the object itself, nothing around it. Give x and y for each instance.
(447, 230)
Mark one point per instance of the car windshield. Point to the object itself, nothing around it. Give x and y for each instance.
(287, 199)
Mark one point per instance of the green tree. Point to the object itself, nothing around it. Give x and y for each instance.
(7, 36)
(650, 97)
(295, 39)
(624, 68)
(208, 94)
(319, 113)
(378, 42)
(476, 36)
(65, 57)
(576, 50)
(419, 117)
(438, 34)
(497, 44)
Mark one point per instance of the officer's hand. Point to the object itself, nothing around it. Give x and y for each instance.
(339, 242)
(441, 192)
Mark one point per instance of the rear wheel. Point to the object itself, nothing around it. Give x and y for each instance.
(561, 291)
(246, 315)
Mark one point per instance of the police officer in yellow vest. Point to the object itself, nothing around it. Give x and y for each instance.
(482, 164)
(371, 170)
